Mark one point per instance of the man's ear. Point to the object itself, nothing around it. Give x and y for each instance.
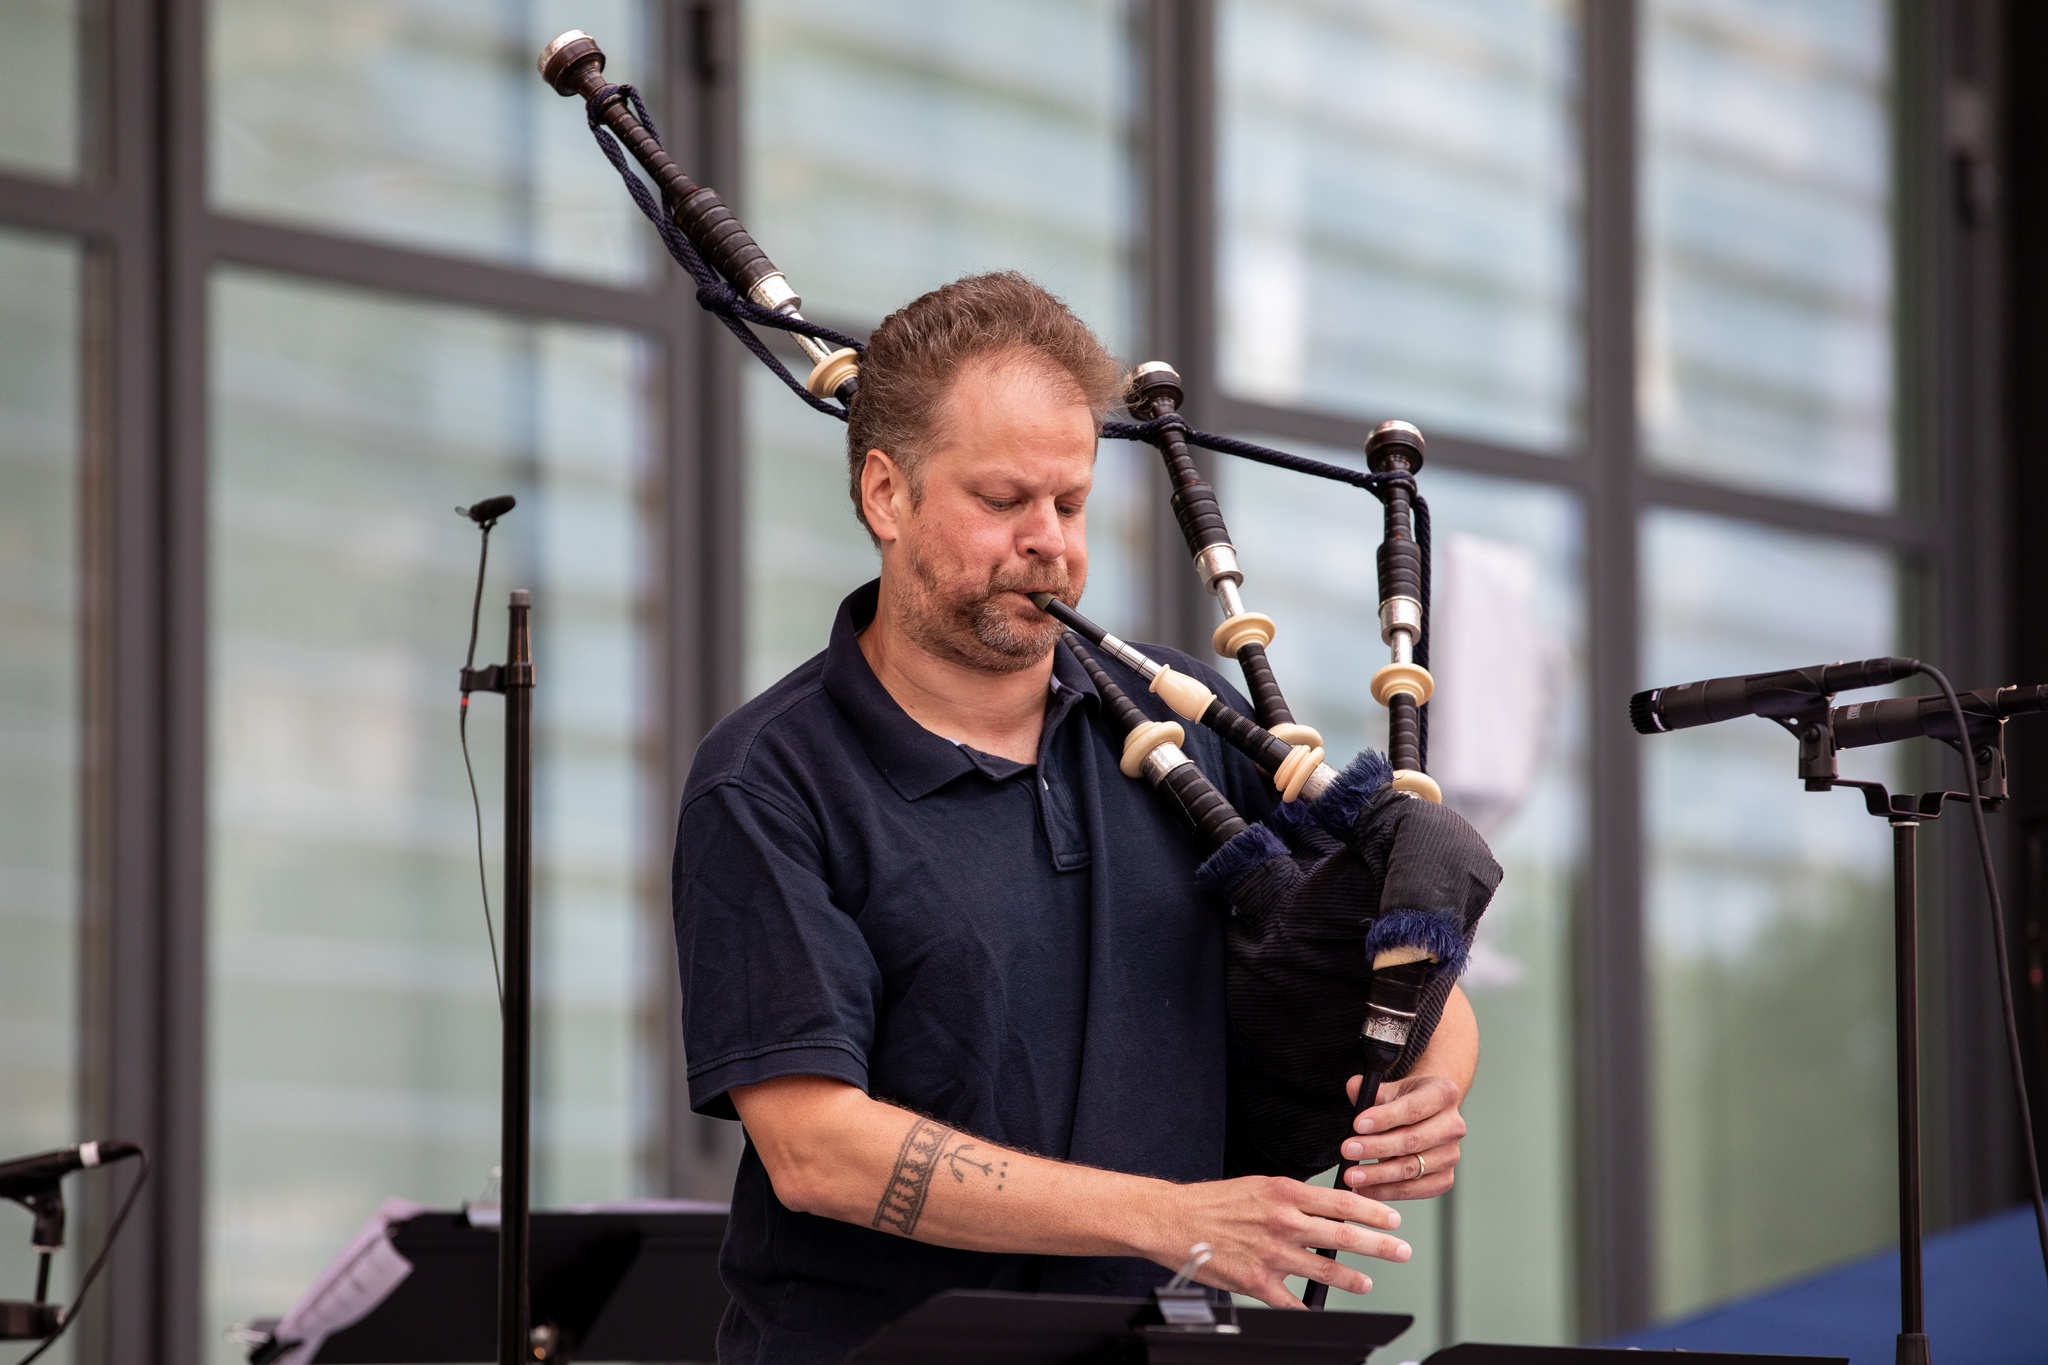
(884, 495)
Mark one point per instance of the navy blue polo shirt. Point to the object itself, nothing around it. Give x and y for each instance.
(1017, 950)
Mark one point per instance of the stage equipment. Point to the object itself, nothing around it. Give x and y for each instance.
(515, 680)
(713, 244)
(964, 1326)
(1298, 770)
(633, 1281)
(35, 1182)
(1801, 701)
(1782, 696)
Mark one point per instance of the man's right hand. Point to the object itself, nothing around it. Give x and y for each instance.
(1261, 1229)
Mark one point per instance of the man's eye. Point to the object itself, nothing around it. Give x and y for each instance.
(1000, 504)
(1070, 509)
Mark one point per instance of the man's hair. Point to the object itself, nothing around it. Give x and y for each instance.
(920, 349)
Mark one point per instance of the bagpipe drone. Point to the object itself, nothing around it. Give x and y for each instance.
(1357, 899)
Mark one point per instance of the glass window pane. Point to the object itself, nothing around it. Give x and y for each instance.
(1507, 621)
(353, 1049)
(1399, 211)
(42, 745)
(424, 123)
(894, 146)
(1769, 918)
(1766, 301)
(989, 136)
(42, 105)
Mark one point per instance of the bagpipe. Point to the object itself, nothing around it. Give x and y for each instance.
(1358, 898)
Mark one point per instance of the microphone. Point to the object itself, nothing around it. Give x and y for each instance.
(490, 509)
(1895, 718)
(1774, 695)
(30, 1174)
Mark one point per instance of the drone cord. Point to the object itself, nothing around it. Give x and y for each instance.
(2012, 1029)
(99, 1262)
(476, 805)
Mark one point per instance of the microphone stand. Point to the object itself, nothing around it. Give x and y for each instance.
(515, 680)
(1984, 746)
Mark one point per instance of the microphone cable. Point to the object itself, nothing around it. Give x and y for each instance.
(476, 805)
(2012, 1030)
(99, 1262)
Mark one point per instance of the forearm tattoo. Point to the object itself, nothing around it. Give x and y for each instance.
(927, 1146)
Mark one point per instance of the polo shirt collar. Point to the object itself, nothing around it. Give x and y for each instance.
(915, 761)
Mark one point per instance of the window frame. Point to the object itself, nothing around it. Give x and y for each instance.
(140, 210)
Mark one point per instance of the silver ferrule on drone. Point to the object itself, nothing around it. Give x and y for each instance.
(1401, 626)
(1162, 760)
(774, 293)
(1218, 566)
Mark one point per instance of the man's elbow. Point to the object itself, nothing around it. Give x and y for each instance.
(799, 1185)
(799, 1126)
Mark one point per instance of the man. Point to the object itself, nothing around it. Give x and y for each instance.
(948, 966)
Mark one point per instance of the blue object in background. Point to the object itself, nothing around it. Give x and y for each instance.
(1987, 1304)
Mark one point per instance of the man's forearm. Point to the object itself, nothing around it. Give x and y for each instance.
(1453, 1050)
(831, 1150)
(864, 1161)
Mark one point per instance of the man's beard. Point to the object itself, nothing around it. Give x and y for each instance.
(976, 629)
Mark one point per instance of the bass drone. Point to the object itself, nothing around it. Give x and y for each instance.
(1358, 898)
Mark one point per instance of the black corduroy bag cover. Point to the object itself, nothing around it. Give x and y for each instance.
(1315, 894)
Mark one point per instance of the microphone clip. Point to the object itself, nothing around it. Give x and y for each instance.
(45, 1203)
(1812, 727)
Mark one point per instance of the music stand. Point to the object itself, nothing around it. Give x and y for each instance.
(1483, 1353)
(611, 1284)
(987, 1326)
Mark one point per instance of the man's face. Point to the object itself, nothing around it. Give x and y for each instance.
(1000, 513)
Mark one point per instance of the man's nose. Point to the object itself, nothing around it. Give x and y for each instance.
(1042, 536)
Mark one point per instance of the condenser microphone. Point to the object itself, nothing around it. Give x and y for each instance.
(1895, 718)
(1785, 693)
(28, 1174)
(490, 509)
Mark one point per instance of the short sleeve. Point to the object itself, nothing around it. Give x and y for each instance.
(777, 980)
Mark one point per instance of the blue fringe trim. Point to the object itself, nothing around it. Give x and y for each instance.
(1239, 858)
(1290, 818)
(1337, 809)
(1433, 933)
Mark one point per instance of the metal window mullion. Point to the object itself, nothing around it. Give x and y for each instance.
(125, 989)
(1613, 1171)
(180, 328)
(1178, 236)
(462, 281)
(704, 530)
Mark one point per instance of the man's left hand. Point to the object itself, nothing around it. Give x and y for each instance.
(1409, 1138)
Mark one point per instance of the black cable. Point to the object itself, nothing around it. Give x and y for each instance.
(476, 805)
(2012, 1028)
(99, 1262)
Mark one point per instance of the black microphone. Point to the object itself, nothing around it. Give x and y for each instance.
(29, 1174)
(1895, 718)
(1775, 695)
(490, 509)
